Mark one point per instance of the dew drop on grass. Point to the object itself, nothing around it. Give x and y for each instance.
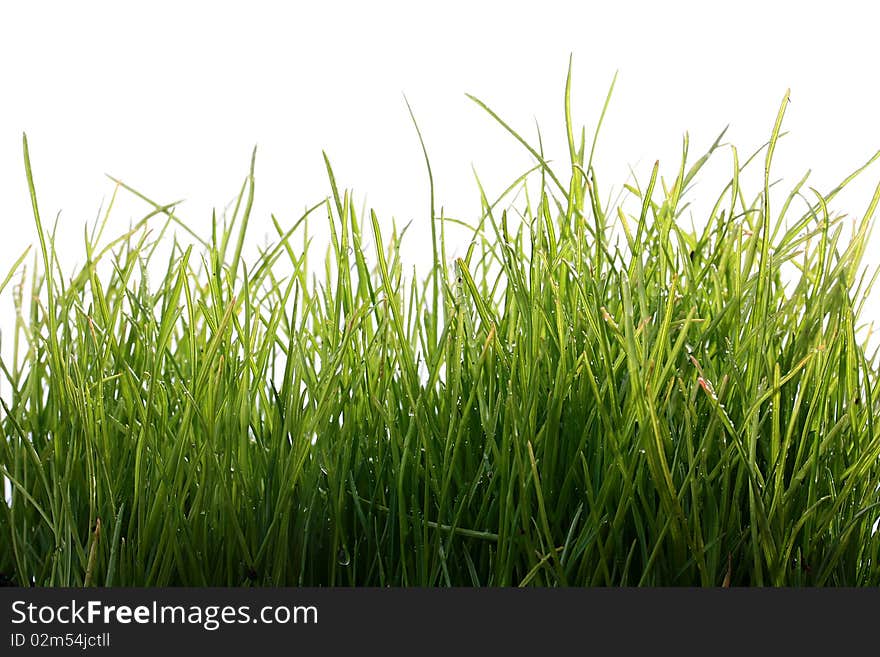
(7, 491)
(342, 557)
(314, 438)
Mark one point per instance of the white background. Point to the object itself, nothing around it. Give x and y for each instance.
(171, 97)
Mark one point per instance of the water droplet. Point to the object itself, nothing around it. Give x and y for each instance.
(343, 557)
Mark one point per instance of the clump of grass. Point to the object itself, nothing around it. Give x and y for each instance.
(589, 396)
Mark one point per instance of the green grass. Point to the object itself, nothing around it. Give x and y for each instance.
(590, 395)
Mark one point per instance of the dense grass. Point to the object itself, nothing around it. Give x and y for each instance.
(590, 396)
